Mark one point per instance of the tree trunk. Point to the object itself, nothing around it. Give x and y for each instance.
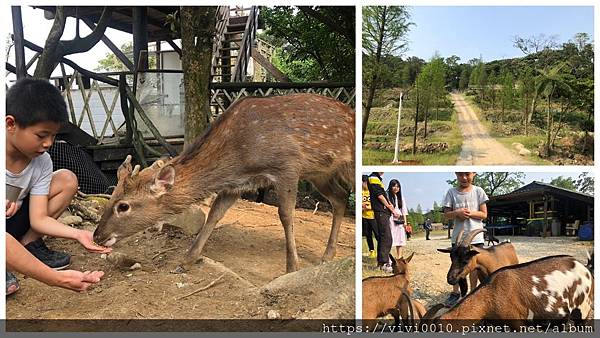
(414, 149)
(55, 49)
(549, 125)
(197, 31)
(374, 78)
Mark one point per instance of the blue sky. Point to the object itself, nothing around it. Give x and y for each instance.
(470, 31)
(425, 188)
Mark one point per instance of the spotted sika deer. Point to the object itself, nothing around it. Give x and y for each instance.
(257, 142)
(467, 258)
(550, 289)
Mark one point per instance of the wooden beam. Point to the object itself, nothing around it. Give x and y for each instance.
(140, 38)
(73, 65)
(174, 46)
(118, 53)
(266, 64)
(20, 68)
(172, 151)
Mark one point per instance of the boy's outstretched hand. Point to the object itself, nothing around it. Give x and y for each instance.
(11, 208)
(86, 239)
(77, 280)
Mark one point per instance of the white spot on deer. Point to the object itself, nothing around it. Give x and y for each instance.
(253, 106)
(535, 292)
(324, 127)
(535, 279)
(561, 311)
(529, 314)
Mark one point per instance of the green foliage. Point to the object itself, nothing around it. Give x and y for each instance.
(314, 43)
(585, 183)
(384, 32)
(111, 63)
(564, 182)
(496, 183)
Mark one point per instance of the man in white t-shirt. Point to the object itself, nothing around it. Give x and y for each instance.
(35, 111)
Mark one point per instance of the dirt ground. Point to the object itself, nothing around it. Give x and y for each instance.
(247, 253)
(478, 146)
(428, 267)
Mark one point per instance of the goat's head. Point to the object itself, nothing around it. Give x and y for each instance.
(462, 255)
(400, 265)
(137, 202)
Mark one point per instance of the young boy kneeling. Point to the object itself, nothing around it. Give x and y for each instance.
(35, 112)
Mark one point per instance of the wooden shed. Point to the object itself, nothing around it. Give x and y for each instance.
(540, 208)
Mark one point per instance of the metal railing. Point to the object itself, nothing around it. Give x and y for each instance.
(224, 94)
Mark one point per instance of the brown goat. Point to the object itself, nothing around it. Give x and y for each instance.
(382, 295)
(257, 142)
(549, 289)
(467, 258)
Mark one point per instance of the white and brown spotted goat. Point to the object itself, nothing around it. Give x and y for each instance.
(550, 289)
(467, 258)
(257, 142)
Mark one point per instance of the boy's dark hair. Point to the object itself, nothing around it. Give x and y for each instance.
(365, 178)
(32, 101)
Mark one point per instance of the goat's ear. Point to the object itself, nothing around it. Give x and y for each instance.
(409, 257)
(163, 180)
(446, 250)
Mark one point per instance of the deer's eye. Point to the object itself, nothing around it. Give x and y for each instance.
(122, 207)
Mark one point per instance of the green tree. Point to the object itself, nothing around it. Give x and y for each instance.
(496, 183)
(508, 91)
(384, 32)
(314, 43)
(585, 183)
(549, 81)
(564, 182)
(111, 63)
(463, 82)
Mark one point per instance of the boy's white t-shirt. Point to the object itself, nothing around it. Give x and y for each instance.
(471, 200)
(34, 179)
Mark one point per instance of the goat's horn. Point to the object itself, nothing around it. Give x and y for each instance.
(432, 311)
(411, 312)
(469, 237)
(459, 236)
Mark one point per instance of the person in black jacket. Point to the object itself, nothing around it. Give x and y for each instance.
(383, 209)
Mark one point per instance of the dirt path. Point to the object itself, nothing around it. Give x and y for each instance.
(478, 146)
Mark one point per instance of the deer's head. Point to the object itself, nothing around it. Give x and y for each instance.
(139, 201)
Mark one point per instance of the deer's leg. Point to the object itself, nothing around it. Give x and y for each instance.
(337, 196)
(286, 193)
(221, 204)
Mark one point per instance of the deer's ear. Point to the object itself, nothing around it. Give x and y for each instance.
(163, 180)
